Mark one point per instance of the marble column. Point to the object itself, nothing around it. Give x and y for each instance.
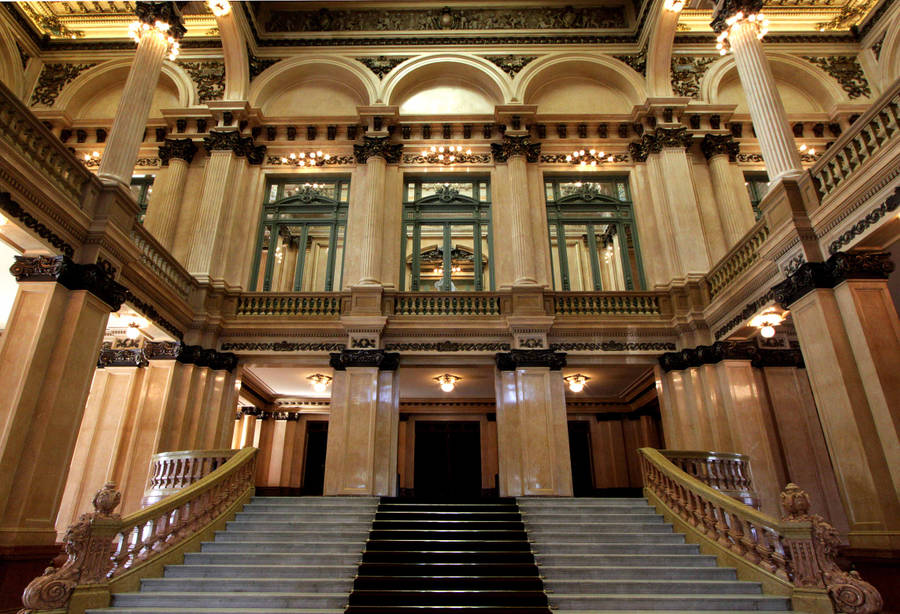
(376, 153)
(516, 152)
(736, 217)
(162, 213)
(848, 333)
(770, 120)
(532, 433)
(134, 106)
(361, 457)
(47, 358)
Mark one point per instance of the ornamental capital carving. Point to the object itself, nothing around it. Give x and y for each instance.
(840, 267)
(707, 355)
(161, 350)
(95, 278)
(384, 361)
(670, 138)
(378, 146)
(121, 357)
(517, 359)
(201, 357)
(728, 8)
(231, 140)
(516, 146)
(182, 149)
(151, 12)
(720, 144)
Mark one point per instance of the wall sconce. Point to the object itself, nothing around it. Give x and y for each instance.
(590, 157)
(576, 382)
(447, 381)
(766, 322)
(92, 159)
(313, 158)
(319, 382)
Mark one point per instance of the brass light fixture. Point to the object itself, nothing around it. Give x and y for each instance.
(590, 157)
(447, 381)
(767, 321)
(319, 381)
(219, 8)
(576, 382)
(312, 158)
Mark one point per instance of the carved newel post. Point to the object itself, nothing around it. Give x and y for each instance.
(88, 545)
(813, 561)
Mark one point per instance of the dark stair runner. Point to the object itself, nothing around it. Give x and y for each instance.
(448, 557)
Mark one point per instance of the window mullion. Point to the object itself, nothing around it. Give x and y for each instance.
(595, 257)
(448, 261)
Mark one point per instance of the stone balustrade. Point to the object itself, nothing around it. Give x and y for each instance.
(794, 556)
(110, 554)
(873, 132)
(727, 472)
(172, 471)
(155, 257)
(607, 304)
(308, 304)
(738, 260)
(446, 304)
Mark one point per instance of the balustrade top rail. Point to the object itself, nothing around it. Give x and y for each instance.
(309, 304)
(738, 259)
(874, 129)
(162, 263)
(727, 472)
(172, 471)
(32, 139)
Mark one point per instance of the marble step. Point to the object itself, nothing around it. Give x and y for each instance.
(249, 582)
(574, 572)
(650, 537)
(614, 548)
(264, 535)
(231, 600)
(697, 603)
(284, 547)
(330, 518)
(553, 531)
(273, 558)
(236, 569)
(625, 560)
(655, 586)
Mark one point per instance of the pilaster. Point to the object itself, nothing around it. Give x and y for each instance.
(162, 213)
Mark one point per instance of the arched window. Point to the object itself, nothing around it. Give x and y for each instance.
(593, 238)
(301, 237)
(447, 235)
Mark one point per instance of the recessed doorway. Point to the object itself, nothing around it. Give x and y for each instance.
(314, 461)
(447, 460)
(580, 455)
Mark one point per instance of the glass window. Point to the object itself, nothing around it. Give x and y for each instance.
(301, 236)
(593, 239)
(757, 186)
(447, 235)
(142, 188)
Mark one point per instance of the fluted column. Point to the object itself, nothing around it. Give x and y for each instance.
(134, 105)
(766, 108)
(375, 152)
(736, 218)
(162, 214)
(516, 151)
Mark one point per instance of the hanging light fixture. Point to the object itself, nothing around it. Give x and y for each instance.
(311, 158)
(447, 381)
(576, 382)
(447, 154)
(590, 157)
(767, 321)
(219, 8)
(319, 382)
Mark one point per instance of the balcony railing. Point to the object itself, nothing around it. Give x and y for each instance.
(446, 304)
(877, 128)
(172, 471)
(608, 304)
(307, 305)
(727, 472)
(161, 262)
(738, 260)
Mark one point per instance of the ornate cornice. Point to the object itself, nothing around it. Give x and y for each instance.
(728, 8)
(719, 144)
(95, 278)
(384, 361)
(282, 346)
(162, 350)
(779, 358)
(378, 146)
(708, 355)
(873, 217)
(614, 346)
(231, 140)
(131, 357)
(201, 357)
(447, 346)
(516, 146)
(290, 416)
(12, 209)
(183, 149)
(151, 12)
(517, 359)
(840, 267)
(382, 65)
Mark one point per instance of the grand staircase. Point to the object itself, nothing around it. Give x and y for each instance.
(599, 555)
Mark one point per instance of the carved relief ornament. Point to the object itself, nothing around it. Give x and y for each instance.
(720, 144)
(838, 268)
(516, 146)
(95, 278)
(182, 149)
(517, 359)
(225, 140)
(384, 361)
(379, 146)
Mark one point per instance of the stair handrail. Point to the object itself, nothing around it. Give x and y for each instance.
(108, 553)
(793, 556)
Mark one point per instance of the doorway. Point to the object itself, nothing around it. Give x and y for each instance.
(580, 455)
(447, 460)
(314, 461)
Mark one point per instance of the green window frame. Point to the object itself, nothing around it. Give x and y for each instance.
(447, 243)
(757, 187)
(142, 187)
(303, 227)
(595, 213)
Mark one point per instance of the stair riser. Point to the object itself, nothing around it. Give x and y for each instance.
(638, 573)
(231, 600)
(424, 546)
(325, 519)
(669, 602)
(638, 587)
(658, 549)
(260, 508)
(283, 547)
(609, 538)
(439, 598)
(224, 558)
(641, 560)
(263, 571)
(280, 536)
(556, 532)
(249, 584)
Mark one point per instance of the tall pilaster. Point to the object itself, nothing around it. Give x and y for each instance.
(162, 214)
(532, 432)
(736, 218)
(376, 153)
(160, 27)
(850, 338)
(363, 427)
(766, 108)
(516, 151)
(47, 357)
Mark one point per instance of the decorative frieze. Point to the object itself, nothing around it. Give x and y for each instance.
(511, 64)
(331, 161)
(687, 73)
(517, 359)
(561, 158)
(614, 346)
(378, 146)
(282, 346)
(209, 77)
(845, 69)
(183, 149)
(162, 350)
(447, 346)
(720, 144)
(637, 61)
(258, 65)
(708, 355)
(872, 218)
(384, 361)
(52, 79)
(459, 158)
(290, 416)
(516, 146)
(132, 357)
(202, 357)
(95, 278)
(838, 268)
(223, 140)
(12, 209)
(382, 65)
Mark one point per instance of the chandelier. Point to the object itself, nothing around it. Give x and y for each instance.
(139, 29)
(576, 382)
(313, 158)
(447, 381)
(591, 157)
(319, 382)
(756, 19)
(447, 154)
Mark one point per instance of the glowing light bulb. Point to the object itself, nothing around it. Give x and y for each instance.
(3, 219)
(219, 8)
(132, 332)
(447, 386)
(767, 331)
(319, 386)
(576, 386)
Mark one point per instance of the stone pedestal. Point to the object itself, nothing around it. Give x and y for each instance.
(361, 458)
(47, 357)
(532, 434)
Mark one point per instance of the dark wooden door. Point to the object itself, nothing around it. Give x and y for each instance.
(314, 463)
(580, 454)
(447, 460)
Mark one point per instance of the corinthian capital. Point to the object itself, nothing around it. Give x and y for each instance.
(719, 144)
(516, 146)
(183, 149)
(379, 146)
